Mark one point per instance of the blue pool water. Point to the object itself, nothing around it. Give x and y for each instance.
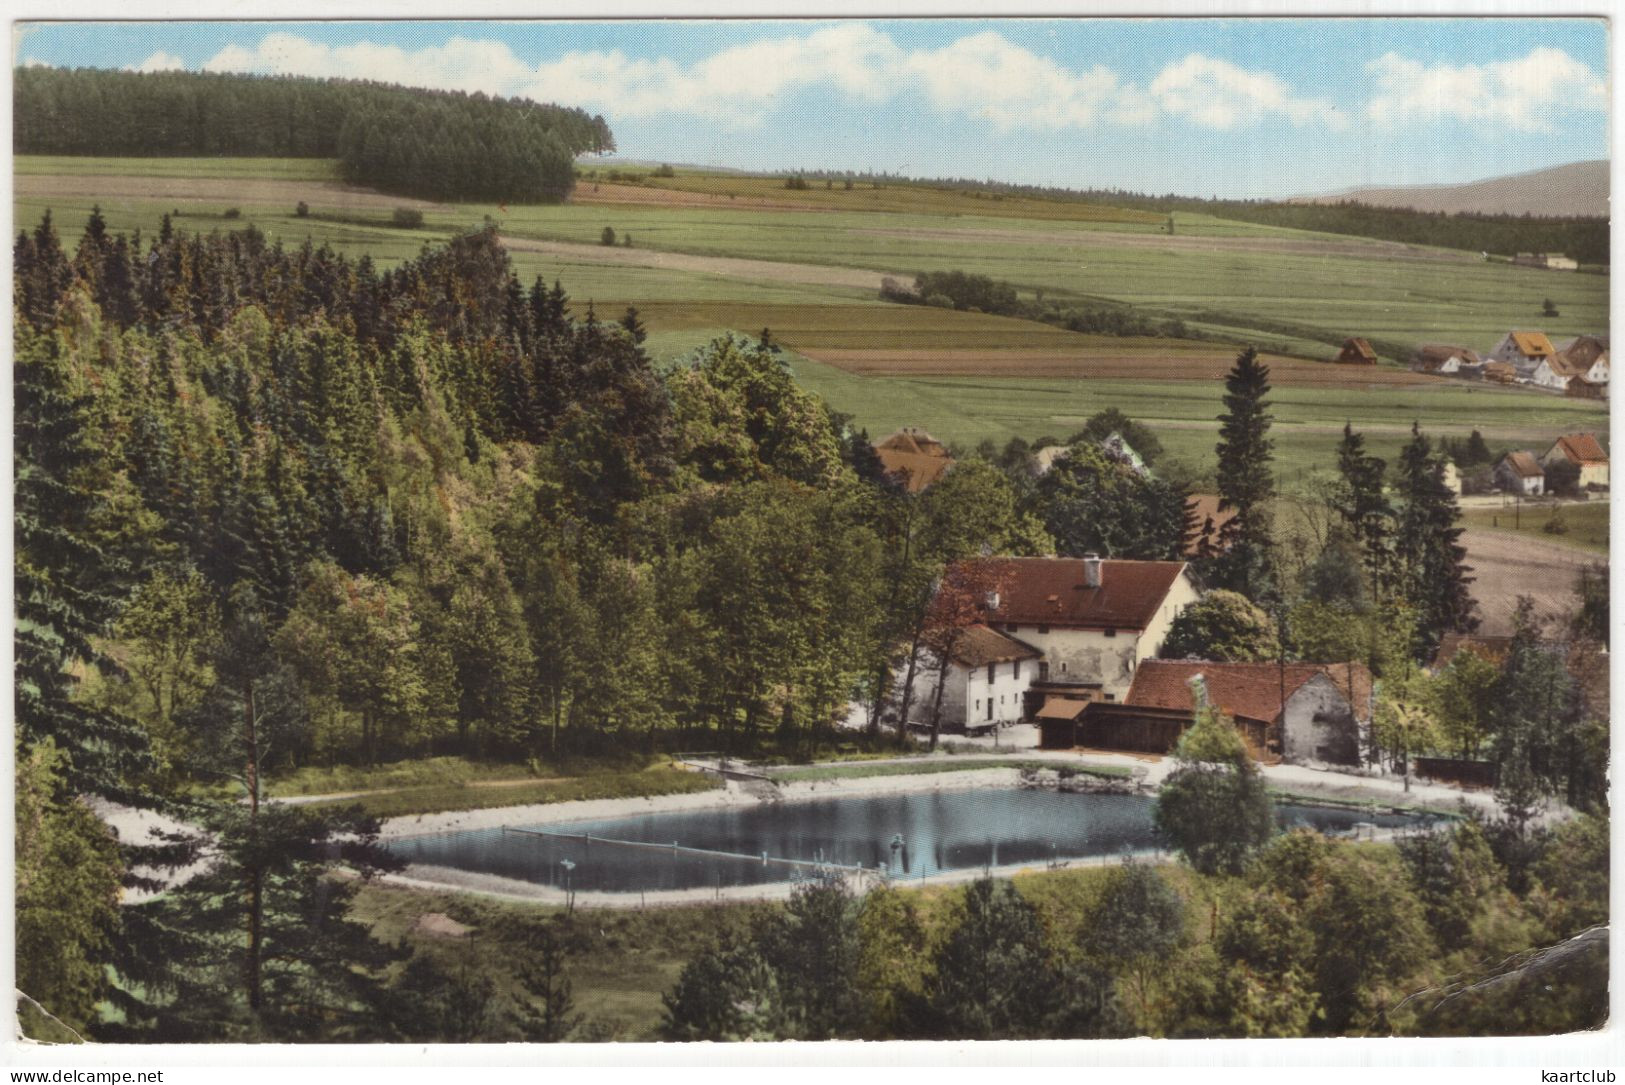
(934, 830)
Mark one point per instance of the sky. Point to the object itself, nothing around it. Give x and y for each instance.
(1201, 107)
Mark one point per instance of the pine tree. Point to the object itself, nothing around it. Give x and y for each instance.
(1430, 560)
(1362, 505)
(1246, 482)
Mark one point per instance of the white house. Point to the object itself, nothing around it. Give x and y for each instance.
(1587, 356)
(1523, 351)
(987, 680)
(1587, 455)
(1073, 628)
(1520, 473)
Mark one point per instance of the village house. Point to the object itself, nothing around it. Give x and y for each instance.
(1556, 372)
(915, 457)
(1067, 629)
(1356, 351)
(1450, 475)
(1551, 261)
(1301, 713)
(1582, 450)
(1500, 373)
(1446, 361)
(1520, 473)
(1581, 388)
(1587, 356)
(987, 680)
(1523, 351)
(1113, 445)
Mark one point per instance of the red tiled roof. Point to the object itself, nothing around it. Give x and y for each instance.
(1524, 464)
(917, 469)
(1252, 690)
(1580, 448)
(1050, 591)
(978, 646)
(1493, 649)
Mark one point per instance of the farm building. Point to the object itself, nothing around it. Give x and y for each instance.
(1113, 445)
(1208, 519)
(1493, 649)
(915, 457)
(1444, 360)
(1091, 623)
(1500, 373)
(1523, 351)
(1587, 356)
(1552, 261)
(988, 675)
(1580, 388)
(1520, 473)
(1296, 712)
(1356, 351)
(1582, 450)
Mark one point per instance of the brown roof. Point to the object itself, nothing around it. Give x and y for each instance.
(1581, 448)
(1435, 355)
(1252, 690)
(1585, 349)
(1580, 388)
(1502, 371)
(1205, 507)
(1564, 366)
(978, 646)
(913, 440)
(917, 469)
(1050, 591)
(1533, 344)
(1524, 464)
(1062, 708)
(1357, 348)
(1493, 649)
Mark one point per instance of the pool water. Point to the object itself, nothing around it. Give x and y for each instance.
(911, 835)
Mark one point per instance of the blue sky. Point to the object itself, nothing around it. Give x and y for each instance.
(1266, 107)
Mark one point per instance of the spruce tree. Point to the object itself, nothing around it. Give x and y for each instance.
(1246, 481)
(1362, 505)
(1430, 560)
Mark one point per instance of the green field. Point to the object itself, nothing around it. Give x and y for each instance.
(1289, 292)
(1587, 524)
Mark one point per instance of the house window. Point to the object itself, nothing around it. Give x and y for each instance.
(1063, 668)
(1043, 629)
(978, 704)
(1111, 632)
(1015, 669)
(990, 667)
(1043, 671)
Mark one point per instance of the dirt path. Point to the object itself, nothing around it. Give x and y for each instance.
(1506, 565)
(730, 266)
(233, 190)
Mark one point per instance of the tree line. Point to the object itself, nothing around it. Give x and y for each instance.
(967, 291)
(443, 145)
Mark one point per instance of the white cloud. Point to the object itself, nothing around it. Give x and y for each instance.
(159, 62)
(1218, 94)
(1522, 94)
(983, 75)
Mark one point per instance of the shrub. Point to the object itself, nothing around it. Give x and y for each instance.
(607, 237)
(407, 218)
(234, 213)
(665, 171)
(1556, 524)
(302, 210)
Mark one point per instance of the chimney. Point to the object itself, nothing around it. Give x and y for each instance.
(1091, 570)
(991, 600)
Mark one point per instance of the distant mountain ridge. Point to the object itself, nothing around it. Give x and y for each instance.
(1575, 190)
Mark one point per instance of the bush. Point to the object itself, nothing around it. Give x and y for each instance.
(302, 210)
(607, 237)
(664, 171)
(407, 218)
(234, 213)
(1556, 524)
(795, 183)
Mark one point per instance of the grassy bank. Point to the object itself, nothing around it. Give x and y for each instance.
(817, 773)
(1587, 524)
(485, 795)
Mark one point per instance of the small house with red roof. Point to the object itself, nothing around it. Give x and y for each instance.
(1520, 473)
(1356, 351)
(1582, 450)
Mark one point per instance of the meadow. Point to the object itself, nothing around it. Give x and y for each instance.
(688, 271)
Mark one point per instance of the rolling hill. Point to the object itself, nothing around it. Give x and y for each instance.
(1577, 189)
